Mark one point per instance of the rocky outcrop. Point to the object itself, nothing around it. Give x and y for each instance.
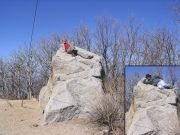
(74, 83)
(152, 111)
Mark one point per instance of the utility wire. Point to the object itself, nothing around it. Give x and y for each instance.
(34, 20)
(29, 64)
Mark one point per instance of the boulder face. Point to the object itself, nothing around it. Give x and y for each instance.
(75, 82)
(152, 111)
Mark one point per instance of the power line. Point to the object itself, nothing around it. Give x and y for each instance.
(29, 64)
(34, 20)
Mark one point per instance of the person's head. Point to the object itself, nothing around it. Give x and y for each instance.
(148, 76)
(64, 40)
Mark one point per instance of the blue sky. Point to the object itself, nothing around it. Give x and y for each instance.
(62, 16)
(143, 70)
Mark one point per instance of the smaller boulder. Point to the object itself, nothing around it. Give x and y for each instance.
(152, 111)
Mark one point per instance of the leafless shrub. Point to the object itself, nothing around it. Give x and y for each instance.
(107, 112)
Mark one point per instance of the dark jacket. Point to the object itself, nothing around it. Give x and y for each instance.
(153, 81)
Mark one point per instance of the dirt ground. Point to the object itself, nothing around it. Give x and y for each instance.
(28, 120)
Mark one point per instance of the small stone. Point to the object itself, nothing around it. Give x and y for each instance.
(105, 132)
(35, 125)
(44, 124)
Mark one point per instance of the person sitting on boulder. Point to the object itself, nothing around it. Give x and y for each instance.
(70, 49)
(156, 81)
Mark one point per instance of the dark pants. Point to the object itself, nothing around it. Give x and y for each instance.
(72, 51)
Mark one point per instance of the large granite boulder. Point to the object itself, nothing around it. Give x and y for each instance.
(75, 82)
(152, 111)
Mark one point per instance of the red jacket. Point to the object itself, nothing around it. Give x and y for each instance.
(66, 46)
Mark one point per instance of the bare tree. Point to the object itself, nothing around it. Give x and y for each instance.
(172, 71)
(46, 49)
(132, 39)
(30, 66)
(159, 47)
(14, 76)
(81, 37)
(28, 69)
(17, 64)
(3, 73)
(107, 37)
(169, 44)
(114, 51)
(103, 36)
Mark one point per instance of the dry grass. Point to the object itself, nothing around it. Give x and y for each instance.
(106, 112)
